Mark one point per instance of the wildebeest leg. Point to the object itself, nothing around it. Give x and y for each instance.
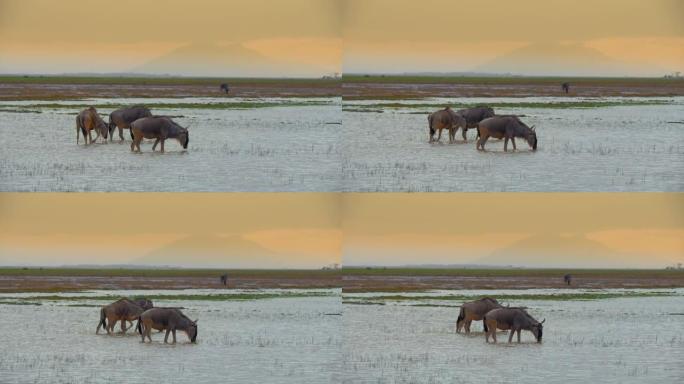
(518, 335)
(162, 145)
(510, 337)
(452, 134)
(513, 141)
(174, 336)
(467, 326)
(463, 132)
(121, 134)
(506, 144)
(123, 325)
(481, 142)
(155, 144)
(166, 337)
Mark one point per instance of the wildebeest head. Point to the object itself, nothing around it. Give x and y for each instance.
(537, 330)
(184, 137)
(532, 138)
(192, 331)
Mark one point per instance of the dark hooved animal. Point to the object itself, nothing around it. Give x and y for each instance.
(473, 116)
(224, 279)
(122, 119)
(121, 310)
(87, 121)
(160, 128)
(507, 127)
(225, 88)
(511, 319)
(565, 87)
(169, 320)
(445, 119)
(567, 279)
(474, 311)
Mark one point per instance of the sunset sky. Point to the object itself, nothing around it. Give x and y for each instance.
(315, 37)
(310, 230)
(606, 37)
(280, 38)
(524, 229)
(250, 230)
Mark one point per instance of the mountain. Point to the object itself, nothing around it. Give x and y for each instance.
(555, 250)
(215, 251)
(231, 60)
(558, 59)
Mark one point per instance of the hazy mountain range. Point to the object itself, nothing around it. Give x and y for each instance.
(233, 60)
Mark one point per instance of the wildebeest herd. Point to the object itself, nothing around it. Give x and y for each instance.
(495, 316)
(138, 119)
(488, 124)
(148, 317)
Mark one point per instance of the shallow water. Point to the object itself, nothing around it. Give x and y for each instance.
(618, 148)
(289, 148)
(624, 340)
(288, 340)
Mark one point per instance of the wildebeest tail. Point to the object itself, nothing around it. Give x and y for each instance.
(103, 318)
(484, 324)
(432, 130)
(138, 327)
(461, 315)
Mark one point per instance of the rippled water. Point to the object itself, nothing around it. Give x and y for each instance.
(289, 148)
(618, 148)
(286, 340)
(623, 340)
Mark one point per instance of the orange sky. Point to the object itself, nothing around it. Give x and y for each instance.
(120, 36)
(607, 37)
(310, 230)
(315, 37)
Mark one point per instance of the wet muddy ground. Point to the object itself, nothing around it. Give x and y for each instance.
(607, 144)
(613, 340)
(281, 340)
(250, 145)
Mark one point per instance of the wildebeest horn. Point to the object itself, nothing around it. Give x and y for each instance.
(542, 322)
(532, 128)
(196, 320)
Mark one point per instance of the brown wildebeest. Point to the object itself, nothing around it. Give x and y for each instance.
(168, 319)
(121, 310)
(474, 311)
(445, 119)
(507, 127)
(225, 88)
(87, 121)
(473, 116)
(122, 118)
(160, 128)
(513, 319)
(224, 279)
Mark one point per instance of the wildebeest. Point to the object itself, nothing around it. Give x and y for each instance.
(160, 128)
(513, 319)
(567, 279)
(506, 127)
(565, 87)
(122, 118)
(87, 121)
(121, 310)
(224, 279)
(445, 119)
(168, 319)
(474, 311)
(225, 88)
(473, 116)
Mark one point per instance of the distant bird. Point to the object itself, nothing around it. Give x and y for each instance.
(566, 87)
(225, 88)
(224, 279)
